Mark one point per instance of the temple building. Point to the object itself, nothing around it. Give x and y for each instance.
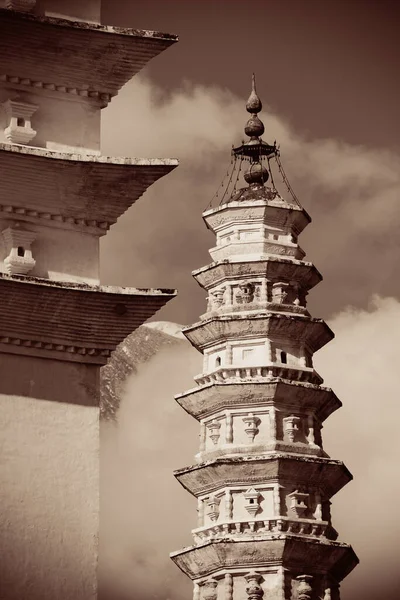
(59, 67)
(262, 479)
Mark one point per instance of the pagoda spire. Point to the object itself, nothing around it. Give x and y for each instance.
(254, 127)
(262, 480)
(255, 149)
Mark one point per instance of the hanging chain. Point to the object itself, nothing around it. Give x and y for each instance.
(237, 176)
(229, 182)
(222, 185)
(286, 181)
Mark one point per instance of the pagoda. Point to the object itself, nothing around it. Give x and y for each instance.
(59, 67)
(262, 479)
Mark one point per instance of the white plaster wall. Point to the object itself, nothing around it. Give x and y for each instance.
(62, 122)
(49, 473)
(244, 354)
(249, 354)
(60, 254)
(252, 250)
(294, 356)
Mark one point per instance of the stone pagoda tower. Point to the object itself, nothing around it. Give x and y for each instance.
(58, 68)
(263, 482)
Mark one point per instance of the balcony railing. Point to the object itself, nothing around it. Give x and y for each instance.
(307, 527)
(269, 372)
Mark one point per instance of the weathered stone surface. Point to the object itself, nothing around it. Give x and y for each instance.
(204, 400)
(275, 269)
(314, 332)
(52, 52)
(322, 557)
(39, 317)
(329, 475)
(77, 190)
(273, 213)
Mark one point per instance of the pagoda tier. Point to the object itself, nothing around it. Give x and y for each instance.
(77, 58)
(305, 330)
(73, 190)
(263, 481)
(271, 268)
(205, 563)
(294, 471)
(66, 321)
(202, 401)
(246, 414)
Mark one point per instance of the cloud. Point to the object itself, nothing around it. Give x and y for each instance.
(352, 193)
(146, 514)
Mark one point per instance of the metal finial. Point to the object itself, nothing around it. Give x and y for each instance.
(254, 127)
(254, 104)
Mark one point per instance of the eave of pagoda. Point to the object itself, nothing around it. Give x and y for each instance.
(210, 557)
(203, 401)
(277, 213)
(67, 321)
(296, 328)
(274, 268)
(208, 477)
(73, 190)
(84, 59)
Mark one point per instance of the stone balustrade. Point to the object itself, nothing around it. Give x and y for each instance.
(308, 527)
(268, 373)
(226, 309)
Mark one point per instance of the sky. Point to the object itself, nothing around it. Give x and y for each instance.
(327, 72)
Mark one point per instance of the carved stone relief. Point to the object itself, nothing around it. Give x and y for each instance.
(217, 297)
(214, 427)
(254, 590)
(245, 293)
(299, 503)
(213, 507)
(280, 292)
(19, 114)
(18, 245)
(304, 589)
(251, 426)
(252, 501)
(209, 589)
(291, 426)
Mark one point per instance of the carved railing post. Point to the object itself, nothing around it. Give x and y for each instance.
(228, 586)
(304, 589)
(254, 590)
(210, 589)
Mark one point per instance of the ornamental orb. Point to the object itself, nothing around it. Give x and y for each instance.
(256, 174)
(254, 127)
